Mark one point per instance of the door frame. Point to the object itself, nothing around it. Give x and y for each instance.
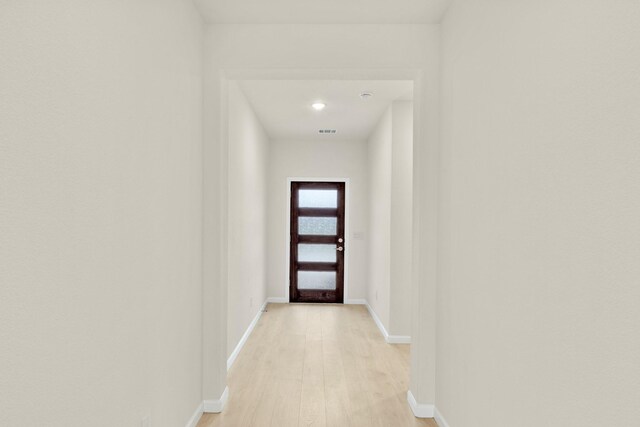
(347, 228)
(425, 74)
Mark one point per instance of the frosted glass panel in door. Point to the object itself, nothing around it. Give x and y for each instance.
(317, 226)
(316, 253)
(317, 280)
(318, 199)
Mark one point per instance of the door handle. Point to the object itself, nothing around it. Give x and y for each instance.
(340, 248)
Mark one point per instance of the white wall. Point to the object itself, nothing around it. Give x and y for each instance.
(401, 218)
(380, 152)
(100, 212)
(296, 46)
(248, 155)
(538, 298)
(390, 149)
(318, 159)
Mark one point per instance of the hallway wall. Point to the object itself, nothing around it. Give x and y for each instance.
(538, 295)
(100, 212)
(248, 155)
(390, 163)
(401, 218)
(379, 174)
(318, 159)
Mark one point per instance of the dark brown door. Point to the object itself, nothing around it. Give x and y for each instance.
(317, 242)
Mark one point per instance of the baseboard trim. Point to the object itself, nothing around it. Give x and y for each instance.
(399, 339)
(356, 302)
(420, 410)
(236, 351)
(376, 319)
(278, 300)
(216, 406)
(440, 419)
(391, 339)
(193, 421)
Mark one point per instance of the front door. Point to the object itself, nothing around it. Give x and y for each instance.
(317, 242)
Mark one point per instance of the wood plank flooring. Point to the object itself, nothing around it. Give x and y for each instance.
(318, 365)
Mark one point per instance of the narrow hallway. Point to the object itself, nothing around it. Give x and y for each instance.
(462, 175)
(318, 365)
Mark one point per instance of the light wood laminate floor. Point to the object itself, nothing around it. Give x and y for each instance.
(318, 365)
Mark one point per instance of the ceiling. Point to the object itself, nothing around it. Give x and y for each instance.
(322, 12)
(284, 106)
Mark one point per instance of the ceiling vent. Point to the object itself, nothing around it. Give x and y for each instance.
(327, 131)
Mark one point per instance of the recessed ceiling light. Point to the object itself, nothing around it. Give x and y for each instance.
(318, 106)
(366, 95)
